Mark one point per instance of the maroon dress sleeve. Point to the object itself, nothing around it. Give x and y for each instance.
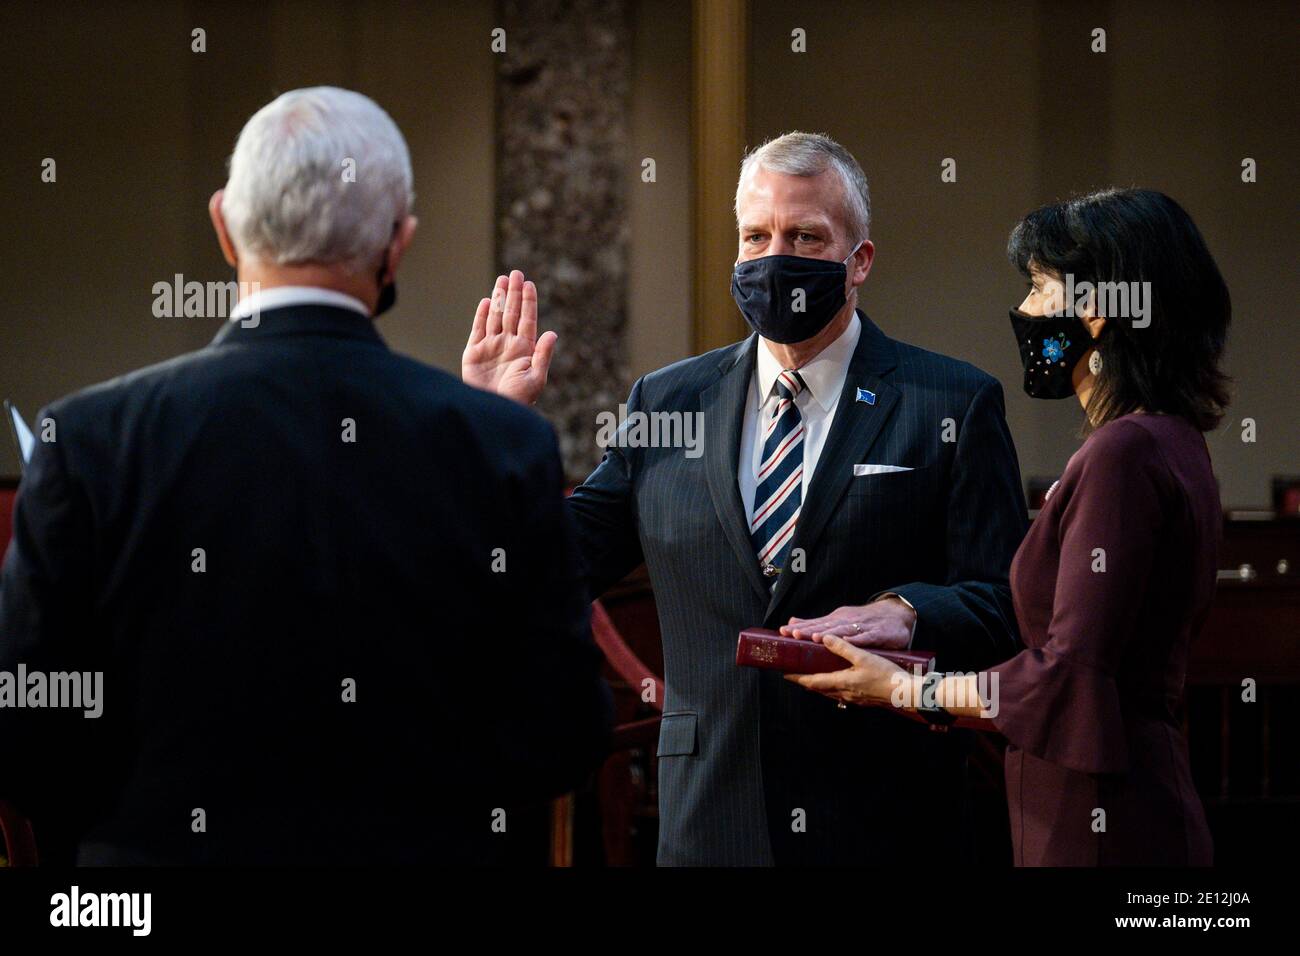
(1059, 701)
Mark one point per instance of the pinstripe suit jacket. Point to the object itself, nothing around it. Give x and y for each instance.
(753, 769)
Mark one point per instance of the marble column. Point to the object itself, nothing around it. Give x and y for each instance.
(562, 178)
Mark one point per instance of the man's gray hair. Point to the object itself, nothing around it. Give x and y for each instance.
(318, 175)
(811, 154)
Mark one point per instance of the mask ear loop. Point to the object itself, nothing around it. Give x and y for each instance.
(383, 263)
(854, 252)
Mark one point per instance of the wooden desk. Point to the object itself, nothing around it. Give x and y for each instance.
(1246, 753)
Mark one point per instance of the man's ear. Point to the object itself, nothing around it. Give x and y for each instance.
(223, 234)
(402, 237)
(861, 263)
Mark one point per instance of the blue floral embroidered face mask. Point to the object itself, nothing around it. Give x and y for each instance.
(1050, 348)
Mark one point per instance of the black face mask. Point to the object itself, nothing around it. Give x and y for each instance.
(387, 290)
(1050, 348)
(765, 290)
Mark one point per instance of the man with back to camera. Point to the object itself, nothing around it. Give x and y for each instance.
(850, 484)
(279, 551)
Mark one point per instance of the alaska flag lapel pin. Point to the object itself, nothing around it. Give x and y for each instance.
(866, 396)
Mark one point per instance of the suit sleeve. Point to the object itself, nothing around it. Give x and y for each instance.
(45, 600)
(968, 619)
(1060, 701)
(554, 710)
(604, 513)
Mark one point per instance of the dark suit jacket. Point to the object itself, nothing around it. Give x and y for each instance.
(754, 769)
(325, 561)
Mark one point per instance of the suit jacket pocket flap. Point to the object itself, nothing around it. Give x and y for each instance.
(676, 735)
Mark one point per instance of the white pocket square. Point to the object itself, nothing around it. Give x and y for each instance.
(859, 470)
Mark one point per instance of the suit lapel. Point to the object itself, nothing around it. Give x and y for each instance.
(723, 405)
(855, 429)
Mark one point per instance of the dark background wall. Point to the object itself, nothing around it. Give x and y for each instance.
(141, 128)
(1012, 91)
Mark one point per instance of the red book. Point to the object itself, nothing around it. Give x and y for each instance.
(760, 647)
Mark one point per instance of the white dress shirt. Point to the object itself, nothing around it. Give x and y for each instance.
(281, 296)
(823, 379)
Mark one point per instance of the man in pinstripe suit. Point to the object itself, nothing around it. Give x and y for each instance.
(849, 484)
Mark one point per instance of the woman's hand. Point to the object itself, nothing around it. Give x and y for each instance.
(871, 680)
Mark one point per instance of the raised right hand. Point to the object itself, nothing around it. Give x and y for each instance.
(504, 354)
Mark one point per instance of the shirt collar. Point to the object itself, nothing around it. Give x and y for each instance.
(823, 376)
(281, 296)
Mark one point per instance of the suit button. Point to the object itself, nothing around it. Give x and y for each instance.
(770, 570)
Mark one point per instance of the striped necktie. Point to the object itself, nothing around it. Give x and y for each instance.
(780, 478)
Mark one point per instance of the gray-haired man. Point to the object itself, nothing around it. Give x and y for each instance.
(850, 485)
(278, 551)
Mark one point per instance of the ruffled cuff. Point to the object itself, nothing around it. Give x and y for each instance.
(1060, 710)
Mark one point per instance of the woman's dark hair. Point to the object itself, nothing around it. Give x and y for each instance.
(1142, 236)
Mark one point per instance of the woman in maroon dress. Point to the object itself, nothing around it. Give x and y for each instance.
(1116, 574)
